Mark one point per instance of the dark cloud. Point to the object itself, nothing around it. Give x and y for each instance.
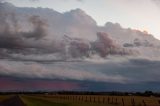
(111, 70)
(27, 52)
(11, 38)
(33, 41)
(39, 28)
(8, 29)
(14, 39)
(21, 84)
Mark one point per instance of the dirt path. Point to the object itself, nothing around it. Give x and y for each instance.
(14, 101)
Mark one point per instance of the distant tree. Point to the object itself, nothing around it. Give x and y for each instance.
(148, 93)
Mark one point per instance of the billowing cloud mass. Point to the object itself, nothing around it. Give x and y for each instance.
(37, 43)
(16, 39)
(38, 28)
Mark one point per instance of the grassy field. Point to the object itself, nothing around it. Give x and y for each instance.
(4, 97)
(36, 101)
(85, 100)
(49, 101)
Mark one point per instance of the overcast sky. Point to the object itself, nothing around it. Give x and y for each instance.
(137, 14)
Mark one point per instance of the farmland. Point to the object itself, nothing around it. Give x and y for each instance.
(76, 100)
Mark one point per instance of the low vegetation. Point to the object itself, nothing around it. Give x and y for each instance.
(83, 99)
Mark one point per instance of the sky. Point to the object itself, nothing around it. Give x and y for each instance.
(117, 59)
(137, 14)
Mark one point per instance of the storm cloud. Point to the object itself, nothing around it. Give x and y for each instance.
(70, 71)
(13, 38)
(39, 28)
(32, 52)
(112, 70)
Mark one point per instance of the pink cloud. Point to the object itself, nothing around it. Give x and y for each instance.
(12, 84)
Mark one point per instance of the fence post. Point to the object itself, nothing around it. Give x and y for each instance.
(144, 103)
(159, 101)
(116, 101)
(133, 102)
(108, 100)
(112, 101)
(94, 99)
(122, 101)
(86, 99)
(98, 99)
(90, 99)
(103, 100)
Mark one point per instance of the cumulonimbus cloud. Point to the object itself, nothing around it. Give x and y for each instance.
(111, 71)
